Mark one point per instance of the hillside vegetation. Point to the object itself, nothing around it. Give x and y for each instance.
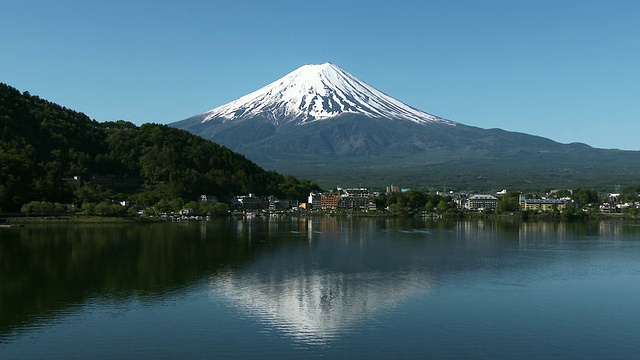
(44, 147)
(375, 152)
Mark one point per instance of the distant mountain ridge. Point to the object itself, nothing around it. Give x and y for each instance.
(320, 121)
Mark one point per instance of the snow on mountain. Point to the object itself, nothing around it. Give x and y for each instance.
(317, 92)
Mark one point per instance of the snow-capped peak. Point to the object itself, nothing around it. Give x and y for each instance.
(316, 92)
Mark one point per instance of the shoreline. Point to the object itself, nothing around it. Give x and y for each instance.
(11, 222)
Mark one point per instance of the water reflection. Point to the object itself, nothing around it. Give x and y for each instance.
(312, 279)
(336, 273)
(315, 305)
(47, 269)
(339, 273)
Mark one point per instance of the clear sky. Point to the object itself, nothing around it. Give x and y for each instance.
(563, 69)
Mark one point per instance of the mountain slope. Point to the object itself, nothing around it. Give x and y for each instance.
(42, 143)
(320, 121)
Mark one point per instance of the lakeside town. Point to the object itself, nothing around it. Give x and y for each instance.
(391, 201)
(403, 201)
(363, 200)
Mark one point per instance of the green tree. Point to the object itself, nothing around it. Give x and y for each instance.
(88, 208)
(89, 192)
(42, 208)
(380, 201)
(102, 209)
(176, 204)
(443, 206)
(192, 205)
(630, 193)
(416, 199)
(210, 209)
(220, 208)
(573, 212)
(398, 209)
(162, 206)
(508, 202)
(564, 193)
(430, 206)
(586, 196)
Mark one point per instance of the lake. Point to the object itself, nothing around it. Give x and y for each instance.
(285, 287)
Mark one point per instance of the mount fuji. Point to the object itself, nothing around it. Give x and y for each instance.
(321, 122)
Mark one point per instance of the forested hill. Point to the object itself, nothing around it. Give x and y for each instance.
(43, 146)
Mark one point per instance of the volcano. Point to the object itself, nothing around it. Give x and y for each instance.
(324, 123)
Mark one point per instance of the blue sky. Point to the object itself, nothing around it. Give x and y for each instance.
(563, 69)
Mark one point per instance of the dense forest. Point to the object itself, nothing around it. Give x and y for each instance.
(49, 153)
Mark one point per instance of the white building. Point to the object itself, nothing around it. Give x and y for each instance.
(314, 200)
(481, 202)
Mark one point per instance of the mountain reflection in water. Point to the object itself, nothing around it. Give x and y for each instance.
(315, 289)
(315, 305)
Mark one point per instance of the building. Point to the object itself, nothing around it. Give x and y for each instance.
(208, 198)
(329, 201)
(355, 199)
(608, 208)
(481, 202)
(392, 189)
(361, 192)
(313, 202)
(541, 204)
(76, 180)
(277, 204)
(253, 202)
(355, 202)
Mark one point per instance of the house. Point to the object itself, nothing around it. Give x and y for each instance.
(608, 208)
(187, 212)
(481, 202)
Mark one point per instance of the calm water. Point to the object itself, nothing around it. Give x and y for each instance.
(332, 288)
